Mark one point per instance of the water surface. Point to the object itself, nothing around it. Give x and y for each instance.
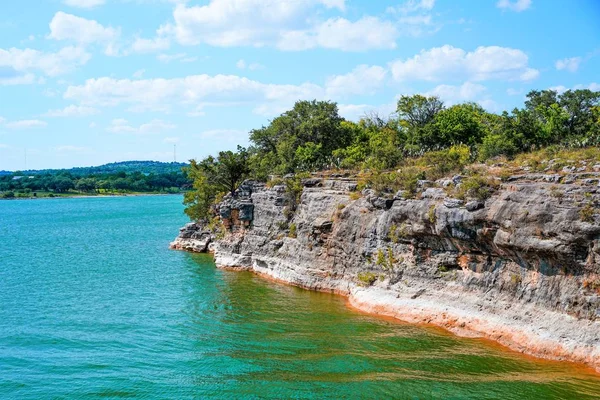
(93, 305)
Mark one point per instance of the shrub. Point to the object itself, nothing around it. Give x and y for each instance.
(293, 229)
(366, 278)
(443, 162)
(586, 214)
(496, 145)
(8, 195)
(431, 214)
(282, 225)
(477, 186)
(355, 195)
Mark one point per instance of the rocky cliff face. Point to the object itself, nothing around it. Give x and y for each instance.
(521, 267)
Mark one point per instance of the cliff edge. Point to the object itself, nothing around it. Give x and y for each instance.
(520, 267)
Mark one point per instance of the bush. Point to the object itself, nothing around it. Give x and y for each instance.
(8, 195)
(496, 145)
(443, 162)
(587, 212)
(366, 278)
(477, 186)
(293, 229)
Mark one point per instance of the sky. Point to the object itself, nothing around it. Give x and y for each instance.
(86, 82)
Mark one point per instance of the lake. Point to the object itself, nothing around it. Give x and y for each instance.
(93, 304)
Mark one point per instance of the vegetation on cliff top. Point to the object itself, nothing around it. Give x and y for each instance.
(424, 139)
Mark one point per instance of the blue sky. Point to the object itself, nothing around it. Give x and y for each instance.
(84, 82)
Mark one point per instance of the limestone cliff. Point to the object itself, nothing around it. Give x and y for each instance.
(521, 267)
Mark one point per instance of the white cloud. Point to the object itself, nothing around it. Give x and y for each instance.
(448, 62)
(72, 111)
(560, 89)
(516, 5)
(93, 125)
(26, 79)
(355, 112)
(467, 92)
(181, 57)
(84, 31)
(411, 6)
(51, 64)
(139, 73)
(570, 64)
(84, 3)
(241, 64)
(594, 87)
(363, 79)
(342, 34)
(26, 124)
(192, 90)
(121, 125)
(289, 25)
(141, 45)
(4, 146)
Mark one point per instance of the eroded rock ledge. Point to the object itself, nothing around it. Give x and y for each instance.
(521, 268)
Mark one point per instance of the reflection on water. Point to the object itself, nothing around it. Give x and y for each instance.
(93, 305)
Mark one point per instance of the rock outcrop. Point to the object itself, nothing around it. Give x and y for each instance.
(522, 267)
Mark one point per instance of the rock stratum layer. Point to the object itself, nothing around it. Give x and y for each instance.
(521, 268)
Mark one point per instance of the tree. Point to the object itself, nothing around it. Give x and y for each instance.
(213, 177)
(85, 184)
(316, 122)
(418, 110)
(459, 124)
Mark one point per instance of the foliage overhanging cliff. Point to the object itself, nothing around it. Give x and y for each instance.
(423, 140)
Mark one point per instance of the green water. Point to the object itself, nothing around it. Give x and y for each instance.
(94, 305)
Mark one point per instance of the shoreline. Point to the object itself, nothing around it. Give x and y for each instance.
(520, 332)
(88, 196)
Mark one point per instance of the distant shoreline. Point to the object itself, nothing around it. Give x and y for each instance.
(91, 196)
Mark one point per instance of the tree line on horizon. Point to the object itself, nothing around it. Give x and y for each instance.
(312, 136)
(61, 182)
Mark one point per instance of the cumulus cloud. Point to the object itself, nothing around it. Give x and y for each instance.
(412, 6)
(342, 34)
(192, 91)
(72, 111)
(70, 27)
(516, 5)
(288, 25)
(569, 64)
(141, 45)
(84, 3)
(363, 79)
(242, 64)
(17, 79)
(448, 62)
(26, 124)
(181, 57)
(51, 64)
(467, 92)
(121, 125)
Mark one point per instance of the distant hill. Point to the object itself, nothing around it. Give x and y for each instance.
(146, 167)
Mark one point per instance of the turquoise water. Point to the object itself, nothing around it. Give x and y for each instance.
(93, 305)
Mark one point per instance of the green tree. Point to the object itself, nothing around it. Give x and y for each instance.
(213, 177)
(316, 122)
(417, 110)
